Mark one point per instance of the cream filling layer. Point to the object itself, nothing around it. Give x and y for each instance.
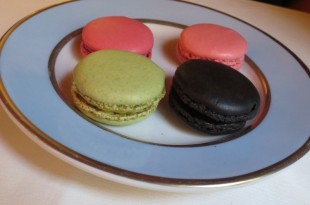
(113, 112)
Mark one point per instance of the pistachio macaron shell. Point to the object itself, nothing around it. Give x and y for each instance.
(105, 75)
(117, 87)
(111, 118)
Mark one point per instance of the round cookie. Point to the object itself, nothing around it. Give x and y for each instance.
(212, 42)
(119, 33)
(212, 97)
(117, 87)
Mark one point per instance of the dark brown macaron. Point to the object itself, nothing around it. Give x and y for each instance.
(212, 97)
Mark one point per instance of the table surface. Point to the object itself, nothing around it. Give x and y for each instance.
(30, 175)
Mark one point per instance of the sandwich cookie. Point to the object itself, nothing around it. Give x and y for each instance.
(212, 97)
(119, 33)
(117, 87)
(212, 42)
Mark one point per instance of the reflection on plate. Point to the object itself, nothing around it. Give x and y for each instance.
(130, 155)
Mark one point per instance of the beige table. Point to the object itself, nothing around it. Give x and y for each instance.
(30, 175)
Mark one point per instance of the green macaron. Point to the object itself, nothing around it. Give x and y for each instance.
(117, 87)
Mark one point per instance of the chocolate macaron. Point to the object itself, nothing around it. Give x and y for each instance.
(212, 97)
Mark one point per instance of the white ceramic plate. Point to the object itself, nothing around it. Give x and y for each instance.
(39, 53)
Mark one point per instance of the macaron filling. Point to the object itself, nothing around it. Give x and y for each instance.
(200, 121)
(117, 113)
(84, 49)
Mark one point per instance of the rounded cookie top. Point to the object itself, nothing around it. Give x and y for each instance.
(117, 32)
(216, 87)
(212, 41)
(119, 78)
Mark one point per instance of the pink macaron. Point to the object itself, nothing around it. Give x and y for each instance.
(118, 33)
(212, 42)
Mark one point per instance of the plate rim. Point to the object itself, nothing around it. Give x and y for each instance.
(29, 128)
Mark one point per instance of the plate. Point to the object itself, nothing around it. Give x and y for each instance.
(39, 53)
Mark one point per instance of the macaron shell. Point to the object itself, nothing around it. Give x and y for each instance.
(111, 118)
(84, 49)
(212, 42)
(184, 55)
(117, 121)
(106, 75)
(118, 32)
(216, 88)
(201, 122)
